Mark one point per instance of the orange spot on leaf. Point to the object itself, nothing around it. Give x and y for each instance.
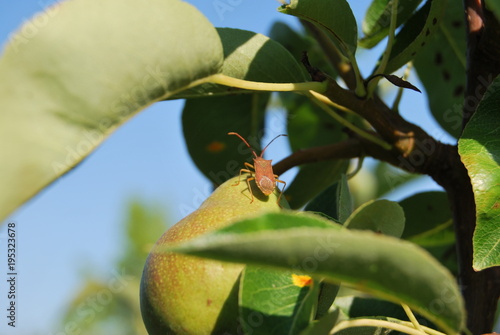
(216, 147)
(301, 280)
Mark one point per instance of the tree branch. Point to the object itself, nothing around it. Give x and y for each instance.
(350, 148)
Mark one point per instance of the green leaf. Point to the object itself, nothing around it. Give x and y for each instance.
(335, 202)
(206, 122)
(493, 6)
(380, 216)
(375, 26)
(87, 72)
(276, 302)
(479, 149)
(441, 68)
(344, 199)
(415, 34)
(296, 43)
(380, 265)
(428, 219)
(327, 294)
(389, 178)
(335, 17)
(362, 307)
(324, 325)
(250, 56)
(308, 126)
(429, 224)
(313, 179)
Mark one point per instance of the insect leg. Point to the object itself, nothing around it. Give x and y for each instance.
(249, 188)
(241, 171)
(284, 185)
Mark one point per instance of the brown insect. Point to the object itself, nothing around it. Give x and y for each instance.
(263, 171)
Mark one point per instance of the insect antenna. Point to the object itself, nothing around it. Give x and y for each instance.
(262, 152)
(244, 141)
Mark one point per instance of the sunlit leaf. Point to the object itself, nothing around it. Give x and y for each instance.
(90, 69)
(479, 149)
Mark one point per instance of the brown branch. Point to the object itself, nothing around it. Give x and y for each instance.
(350, 148)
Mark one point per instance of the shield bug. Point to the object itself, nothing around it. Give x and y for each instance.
(262, 171)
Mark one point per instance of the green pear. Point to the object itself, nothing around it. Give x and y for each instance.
(188, 295)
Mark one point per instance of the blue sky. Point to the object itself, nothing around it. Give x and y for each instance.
(75, 224)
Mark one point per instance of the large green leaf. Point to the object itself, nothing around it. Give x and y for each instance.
(479, 148)
(335, 17)
(276, 302)
(381, 216)
(415, 34)
(206, 122)
(250, 56)
(90, 69)
(334, 202)
(381, 265)
(378, 18)
(441, 68)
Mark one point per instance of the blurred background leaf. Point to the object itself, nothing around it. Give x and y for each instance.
(108, 304)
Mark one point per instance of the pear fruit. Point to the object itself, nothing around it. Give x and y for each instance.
(189, 295)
